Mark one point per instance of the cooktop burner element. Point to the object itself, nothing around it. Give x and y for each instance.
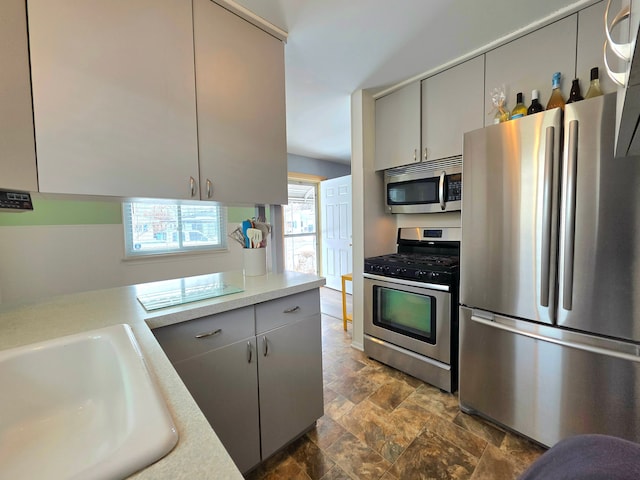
(422, 256)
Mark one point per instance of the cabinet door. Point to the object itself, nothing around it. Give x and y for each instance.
(591, 38)
(452, 104)
(398, 127)
(224, 384)
(241, 109)
(17, 149)
(529, 62)
(290, 378)
(114, 96)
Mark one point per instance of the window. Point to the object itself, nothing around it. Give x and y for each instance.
(300, 226)
(160, 228)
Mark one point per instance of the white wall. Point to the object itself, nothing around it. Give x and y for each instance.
(374, 231)
(38, 261)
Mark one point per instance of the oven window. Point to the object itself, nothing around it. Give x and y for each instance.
(413, 192)
(406, 313)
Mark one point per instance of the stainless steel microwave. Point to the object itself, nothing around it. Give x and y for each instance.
(425, 187)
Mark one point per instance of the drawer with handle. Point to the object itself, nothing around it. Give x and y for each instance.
(285, 310)
(194, 337)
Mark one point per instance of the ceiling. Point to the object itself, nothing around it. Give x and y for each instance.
(336, 47)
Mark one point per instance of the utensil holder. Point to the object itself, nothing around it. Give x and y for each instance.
(255, 261)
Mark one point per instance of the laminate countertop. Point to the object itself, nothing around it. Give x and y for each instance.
(199, 453)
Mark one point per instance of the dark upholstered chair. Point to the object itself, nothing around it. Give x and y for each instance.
(588, 457)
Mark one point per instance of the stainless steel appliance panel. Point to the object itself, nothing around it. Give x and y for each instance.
(547, 383)
(509, 214)
(441, 350)
(439, 186)
(419, 366)
(599, 290)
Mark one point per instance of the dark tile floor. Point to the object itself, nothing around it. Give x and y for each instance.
(380, 423)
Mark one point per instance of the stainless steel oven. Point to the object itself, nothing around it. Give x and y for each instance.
(426, 187)
(410, 319)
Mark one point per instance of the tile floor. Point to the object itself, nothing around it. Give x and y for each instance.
(382, 424)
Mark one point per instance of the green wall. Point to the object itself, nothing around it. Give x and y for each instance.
(47, 211)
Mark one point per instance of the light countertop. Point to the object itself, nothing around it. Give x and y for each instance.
(199, 453)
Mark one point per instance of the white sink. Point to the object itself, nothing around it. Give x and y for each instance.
(80, 406)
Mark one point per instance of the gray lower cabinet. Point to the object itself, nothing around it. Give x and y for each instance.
(290, 378)
(224, 384)
(258, 391)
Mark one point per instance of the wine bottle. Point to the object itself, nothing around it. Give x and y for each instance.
(519, 110)
(575, 95)
(594, 86)
(535, 106)
(556, 100)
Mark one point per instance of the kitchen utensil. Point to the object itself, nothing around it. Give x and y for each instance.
(255, 237)
(245, 226)
(265, 228)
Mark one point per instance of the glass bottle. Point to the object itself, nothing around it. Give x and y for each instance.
(501, 115)
(556, 99)
(575, 95)
(594, 86)
(519, 110)
(535, 106)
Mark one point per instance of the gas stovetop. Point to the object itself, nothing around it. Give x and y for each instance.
(424, 255)
(415, 266)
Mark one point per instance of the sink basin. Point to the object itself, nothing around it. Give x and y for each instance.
(80, 406)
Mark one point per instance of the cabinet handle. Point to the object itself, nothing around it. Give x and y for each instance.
(425, 153)
(415, 155)
(192, 185)
(249, 352)
(209, 188)
(209, 334)
(265, 346)
(292, 309)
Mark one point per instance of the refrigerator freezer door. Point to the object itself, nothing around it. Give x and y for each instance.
(509, 212)
(599, 258)
(548, 383)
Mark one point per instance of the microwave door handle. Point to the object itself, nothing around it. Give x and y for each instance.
(441, 190)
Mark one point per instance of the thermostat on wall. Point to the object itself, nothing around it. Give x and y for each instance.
(12, 201)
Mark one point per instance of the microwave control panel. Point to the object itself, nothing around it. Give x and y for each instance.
(15, 201)
(454, 187)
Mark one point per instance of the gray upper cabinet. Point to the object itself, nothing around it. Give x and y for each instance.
(241, 109)
(114, 97)
(17, 148)
(528, 63)
(398, 128)
(452, 104)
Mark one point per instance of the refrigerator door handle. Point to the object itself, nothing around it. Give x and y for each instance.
(557, 341)
(570, 216)
(441, 190)
(546, 217)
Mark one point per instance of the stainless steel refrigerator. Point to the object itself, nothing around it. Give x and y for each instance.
(550, 276)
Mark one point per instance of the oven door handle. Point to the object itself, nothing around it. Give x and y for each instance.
(412, 283)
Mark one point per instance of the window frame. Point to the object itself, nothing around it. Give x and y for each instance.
(219, 217)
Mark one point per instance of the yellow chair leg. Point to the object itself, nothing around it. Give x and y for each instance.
(345, 316)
